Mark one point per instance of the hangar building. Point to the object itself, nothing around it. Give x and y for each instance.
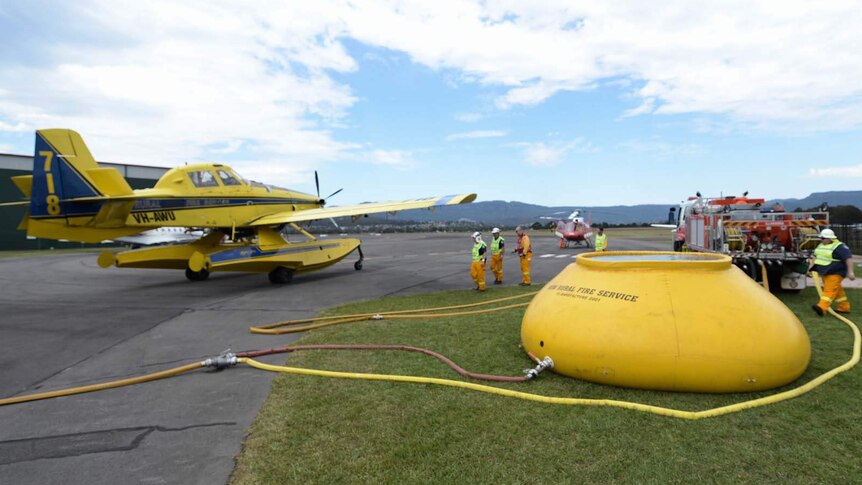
(138, 176)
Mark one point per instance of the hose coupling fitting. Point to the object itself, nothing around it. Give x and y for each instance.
(377, 317)
(546, 363)
(223, 361)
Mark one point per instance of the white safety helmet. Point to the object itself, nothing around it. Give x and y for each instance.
(496, 230)
(827, 234)
(477, 235)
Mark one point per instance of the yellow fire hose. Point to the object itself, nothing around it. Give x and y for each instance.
(675, 413)
(274, 328)
(105, 385)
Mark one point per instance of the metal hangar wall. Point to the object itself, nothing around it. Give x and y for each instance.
(138, 176)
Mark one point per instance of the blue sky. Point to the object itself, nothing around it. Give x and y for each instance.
(553, 103)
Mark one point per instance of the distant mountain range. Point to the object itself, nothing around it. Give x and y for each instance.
(848, 197)
(498, 212)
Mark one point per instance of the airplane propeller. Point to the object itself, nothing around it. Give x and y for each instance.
(322, 202)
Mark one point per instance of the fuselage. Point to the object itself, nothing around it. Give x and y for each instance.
(207, 196)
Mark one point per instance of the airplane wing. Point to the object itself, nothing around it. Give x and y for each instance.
(361, 209)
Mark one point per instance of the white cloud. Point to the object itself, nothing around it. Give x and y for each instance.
(468, 117)
(539, 154)
(850, 171)
(766, 62)
(16, 128)
(213, 74)
(398, 159)
(162, 82)
(230, 147)
(469, 135)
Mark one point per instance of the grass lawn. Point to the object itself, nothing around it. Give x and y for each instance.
(334, 430)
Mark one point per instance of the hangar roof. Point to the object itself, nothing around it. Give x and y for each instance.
(25, 162)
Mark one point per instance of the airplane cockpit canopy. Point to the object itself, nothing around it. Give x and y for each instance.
(202, 178)
(228, 178)
(210, 178)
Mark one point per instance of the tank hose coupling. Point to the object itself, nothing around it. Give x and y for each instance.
(377, 317)
(546, 363)
(223, 361)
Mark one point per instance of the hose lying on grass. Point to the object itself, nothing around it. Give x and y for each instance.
(230, 360)
(276, 328)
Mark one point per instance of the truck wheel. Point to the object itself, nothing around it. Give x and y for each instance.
(753, 268)
(677, 246)
(280, 275)
(774, 276)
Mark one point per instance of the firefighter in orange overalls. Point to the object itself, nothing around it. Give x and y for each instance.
(477, 267)
(833, 260)
(497, 255)
(525, 251)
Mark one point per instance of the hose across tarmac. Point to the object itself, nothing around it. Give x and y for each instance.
(245, 358)
(229, 360)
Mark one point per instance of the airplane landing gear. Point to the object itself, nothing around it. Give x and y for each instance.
(197, 275)
(280, 275)
(358, 265)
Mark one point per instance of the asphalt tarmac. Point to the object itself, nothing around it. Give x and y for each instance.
(66, 322)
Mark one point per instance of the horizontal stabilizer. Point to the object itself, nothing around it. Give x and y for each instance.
(24, 184)
(22, 226)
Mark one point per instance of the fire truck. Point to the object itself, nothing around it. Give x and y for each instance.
(758, 238)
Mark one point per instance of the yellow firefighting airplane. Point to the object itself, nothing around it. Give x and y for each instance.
(72, 198)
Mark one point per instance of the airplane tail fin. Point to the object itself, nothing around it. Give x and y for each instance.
(63, 170)
(71, 197)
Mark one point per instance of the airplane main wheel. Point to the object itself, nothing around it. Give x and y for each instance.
(357, 265)
(197, 275)
(280, 275)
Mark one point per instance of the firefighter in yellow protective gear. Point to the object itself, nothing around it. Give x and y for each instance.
(477, 267)
(833, 260)
(525, 251)
(601, 240)
(497, 243)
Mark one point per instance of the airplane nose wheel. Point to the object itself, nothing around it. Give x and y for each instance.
(280, 275)
(358, 265)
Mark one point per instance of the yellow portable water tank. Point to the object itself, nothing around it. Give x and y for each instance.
(665, 321)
